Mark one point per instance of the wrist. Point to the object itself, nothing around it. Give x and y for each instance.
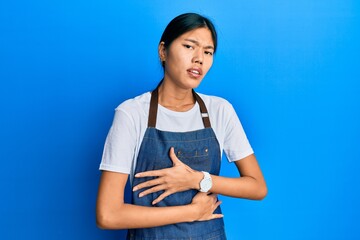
(197, 177)
(206, 182)
(194, 212)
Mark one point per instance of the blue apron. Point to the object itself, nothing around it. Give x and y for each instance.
(198, 149)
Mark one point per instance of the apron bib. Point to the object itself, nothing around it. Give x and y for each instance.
(199, 150)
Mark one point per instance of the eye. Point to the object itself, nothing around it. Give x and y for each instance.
(188, 46)
(209, 53)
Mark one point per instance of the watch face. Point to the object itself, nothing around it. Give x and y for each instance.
(205, 185)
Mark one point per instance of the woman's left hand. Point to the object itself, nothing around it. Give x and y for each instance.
(180, 177)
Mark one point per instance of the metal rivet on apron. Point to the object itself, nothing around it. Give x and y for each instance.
(206, 150)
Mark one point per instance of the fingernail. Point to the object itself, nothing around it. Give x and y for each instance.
(134, 189)
(153, 203)
(141, 194)
(137, 175)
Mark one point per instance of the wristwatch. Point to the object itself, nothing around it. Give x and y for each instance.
(206, 182)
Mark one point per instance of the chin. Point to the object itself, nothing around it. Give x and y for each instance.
(194, 83)
(186, 82)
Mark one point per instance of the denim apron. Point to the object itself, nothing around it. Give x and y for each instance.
(199, 150)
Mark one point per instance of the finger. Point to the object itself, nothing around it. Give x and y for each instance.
(153, 173)
(214, 216)
(152, 190)
(173, 157)
(217, 204)
(149, 183)
(161, 197)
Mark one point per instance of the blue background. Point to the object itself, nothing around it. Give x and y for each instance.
(290, 68)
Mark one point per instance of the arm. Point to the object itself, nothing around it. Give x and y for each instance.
(250, 184)
(113, 213)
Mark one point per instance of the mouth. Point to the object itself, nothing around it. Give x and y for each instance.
(195, 72)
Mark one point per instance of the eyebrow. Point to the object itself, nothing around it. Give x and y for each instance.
(198, 44)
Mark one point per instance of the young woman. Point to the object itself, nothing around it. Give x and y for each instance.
(170, 142)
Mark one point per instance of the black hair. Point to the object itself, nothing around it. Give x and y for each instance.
(185, 23)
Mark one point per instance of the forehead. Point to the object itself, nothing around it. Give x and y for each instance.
(201, 35)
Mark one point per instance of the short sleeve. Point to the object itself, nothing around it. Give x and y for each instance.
(120, 144)
(236, 144)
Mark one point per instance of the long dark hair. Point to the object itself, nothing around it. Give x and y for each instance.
(185, 23)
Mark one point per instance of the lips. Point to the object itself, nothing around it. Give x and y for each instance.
(195, 72)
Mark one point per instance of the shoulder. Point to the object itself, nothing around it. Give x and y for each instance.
(138, 105)
(216, 104)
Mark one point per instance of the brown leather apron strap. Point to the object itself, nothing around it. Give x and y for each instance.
(203, 110)
(154, 107)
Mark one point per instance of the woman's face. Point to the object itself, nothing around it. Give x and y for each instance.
(188, 58)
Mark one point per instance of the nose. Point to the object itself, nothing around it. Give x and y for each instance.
(198, 57)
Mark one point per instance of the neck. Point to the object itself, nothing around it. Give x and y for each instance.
(175, 98)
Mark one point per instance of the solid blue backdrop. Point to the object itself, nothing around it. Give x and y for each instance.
(290, 69)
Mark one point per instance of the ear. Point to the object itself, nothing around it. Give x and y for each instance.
(162, 52)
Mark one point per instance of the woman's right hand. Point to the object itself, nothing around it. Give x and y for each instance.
(205, 205)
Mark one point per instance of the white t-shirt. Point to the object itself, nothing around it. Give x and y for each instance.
(130, 123)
